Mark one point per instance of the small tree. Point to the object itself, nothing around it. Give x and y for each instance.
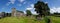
(28, 12)
(8, 14)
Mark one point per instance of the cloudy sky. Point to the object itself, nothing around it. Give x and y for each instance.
(23, 5)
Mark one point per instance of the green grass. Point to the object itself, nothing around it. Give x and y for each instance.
(20, 20)
(55, 19)
(28, 20)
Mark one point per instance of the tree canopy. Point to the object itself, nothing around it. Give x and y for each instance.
(28, 12)
(41, 8)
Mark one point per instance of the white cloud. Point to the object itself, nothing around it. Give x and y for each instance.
(24, 12)
(46, 2)
(24, 2)
(54, 9)
(33, 12)
(10, 2)
(29, 8)
(21, 0)
(19, 4)
(32, 5)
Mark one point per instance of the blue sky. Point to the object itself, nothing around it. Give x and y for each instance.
(23, 5)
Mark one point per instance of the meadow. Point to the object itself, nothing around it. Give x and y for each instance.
(28, 20)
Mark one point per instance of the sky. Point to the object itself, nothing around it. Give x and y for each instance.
(23, 5)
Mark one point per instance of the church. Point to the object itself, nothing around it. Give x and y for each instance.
(17, 13)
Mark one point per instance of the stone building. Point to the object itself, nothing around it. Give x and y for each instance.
(17, 13)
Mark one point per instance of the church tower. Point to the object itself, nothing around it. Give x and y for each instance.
(13, 11)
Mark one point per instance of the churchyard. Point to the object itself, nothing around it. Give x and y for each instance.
(27, 19)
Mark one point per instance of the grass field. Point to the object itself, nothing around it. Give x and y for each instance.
(28, 20)
(55, 19)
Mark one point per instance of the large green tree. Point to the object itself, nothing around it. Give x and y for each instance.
(41, 8)
(28, 12)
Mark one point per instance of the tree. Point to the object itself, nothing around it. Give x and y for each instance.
(8, 14)
(28, 12)
(56, 13)
(41, 8)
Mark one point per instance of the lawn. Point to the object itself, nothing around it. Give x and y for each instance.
(55, 19)
(19, 20)
(28, 20)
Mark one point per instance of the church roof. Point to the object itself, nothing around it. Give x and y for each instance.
(20, 11)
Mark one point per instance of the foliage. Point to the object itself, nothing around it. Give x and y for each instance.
(47, 20)
(56, 13)
(8, 14)
(28, 12)
(41, 8)
(3, 15)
